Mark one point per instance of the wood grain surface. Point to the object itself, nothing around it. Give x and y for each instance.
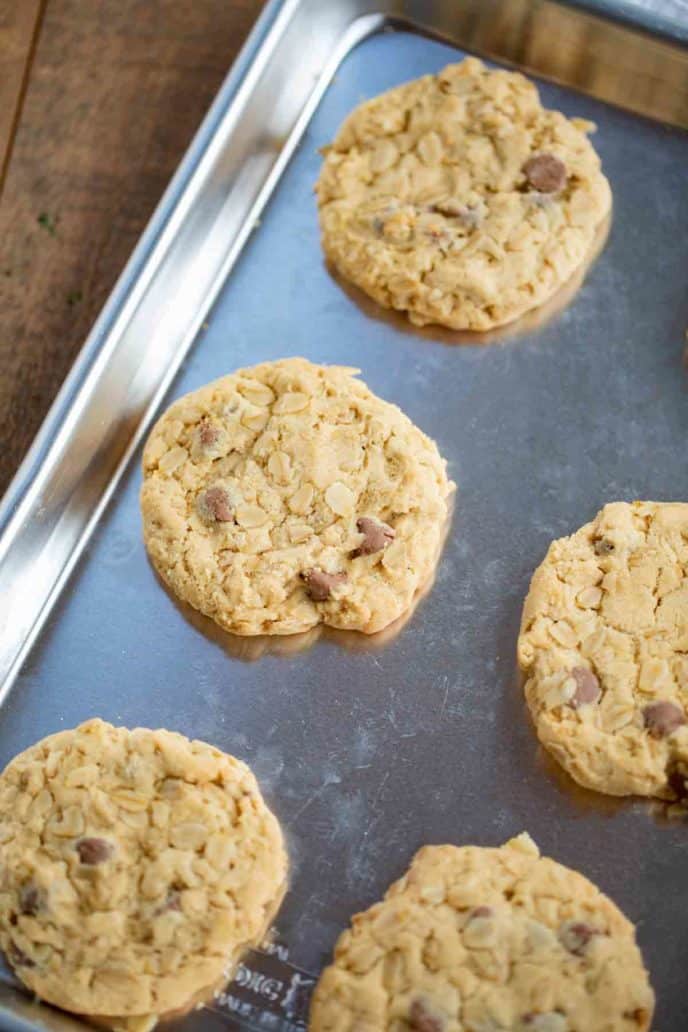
(98, 101)
(19, 29)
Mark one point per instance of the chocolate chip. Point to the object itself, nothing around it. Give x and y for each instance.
(214, 506)
(319, 585)
(663, 718)
(94, 851)
(574, 936)
(587, 687)
(603, 546)
(376, 536)
(545, 173)
(208, 435)
(482, 912)
(174, 900)
(29, 900)
(18, 958)
(421, 1018)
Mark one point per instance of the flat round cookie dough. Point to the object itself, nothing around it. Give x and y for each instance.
(134, 867)
(459, 199)
(288, 495)
(486, 940)
(604, 648)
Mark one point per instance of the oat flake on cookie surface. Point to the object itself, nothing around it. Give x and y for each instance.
(604, 648)
(473, 939)
(287, 495)
(134, 866)
(459, 199)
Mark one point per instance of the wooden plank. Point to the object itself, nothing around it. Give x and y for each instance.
(116, 91)
(19, 24)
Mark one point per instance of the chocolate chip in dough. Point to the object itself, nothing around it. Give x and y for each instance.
(319, 585)
(574, 936)
(545, 173)
(422, 1019)
(214, 505)
(29, 900)
(376, 536)
(603, 546)
(172, 902)
(663, 718)
(208, 435)
(94, 851)
(587, 687)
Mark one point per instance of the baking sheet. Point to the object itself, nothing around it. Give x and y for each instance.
(366, 750)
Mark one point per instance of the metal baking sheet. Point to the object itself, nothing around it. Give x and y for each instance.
(367, 749)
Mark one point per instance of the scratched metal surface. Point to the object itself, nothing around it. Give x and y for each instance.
(367, 753)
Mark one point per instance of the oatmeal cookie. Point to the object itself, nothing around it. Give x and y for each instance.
(288, 495)
(459, 199)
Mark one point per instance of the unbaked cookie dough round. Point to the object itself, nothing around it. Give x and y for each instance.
(486, 940)
(288, 495)
(134, 867)
(459, 199)
(604, 648)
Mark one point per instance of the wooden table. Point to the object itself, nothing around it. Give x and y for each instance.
(98, 101)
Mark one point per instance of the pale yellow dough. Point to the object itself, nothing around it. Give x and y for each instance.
(425, 205)
(486, 940)
(300, 453)
(134, 866)
(608, 611)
